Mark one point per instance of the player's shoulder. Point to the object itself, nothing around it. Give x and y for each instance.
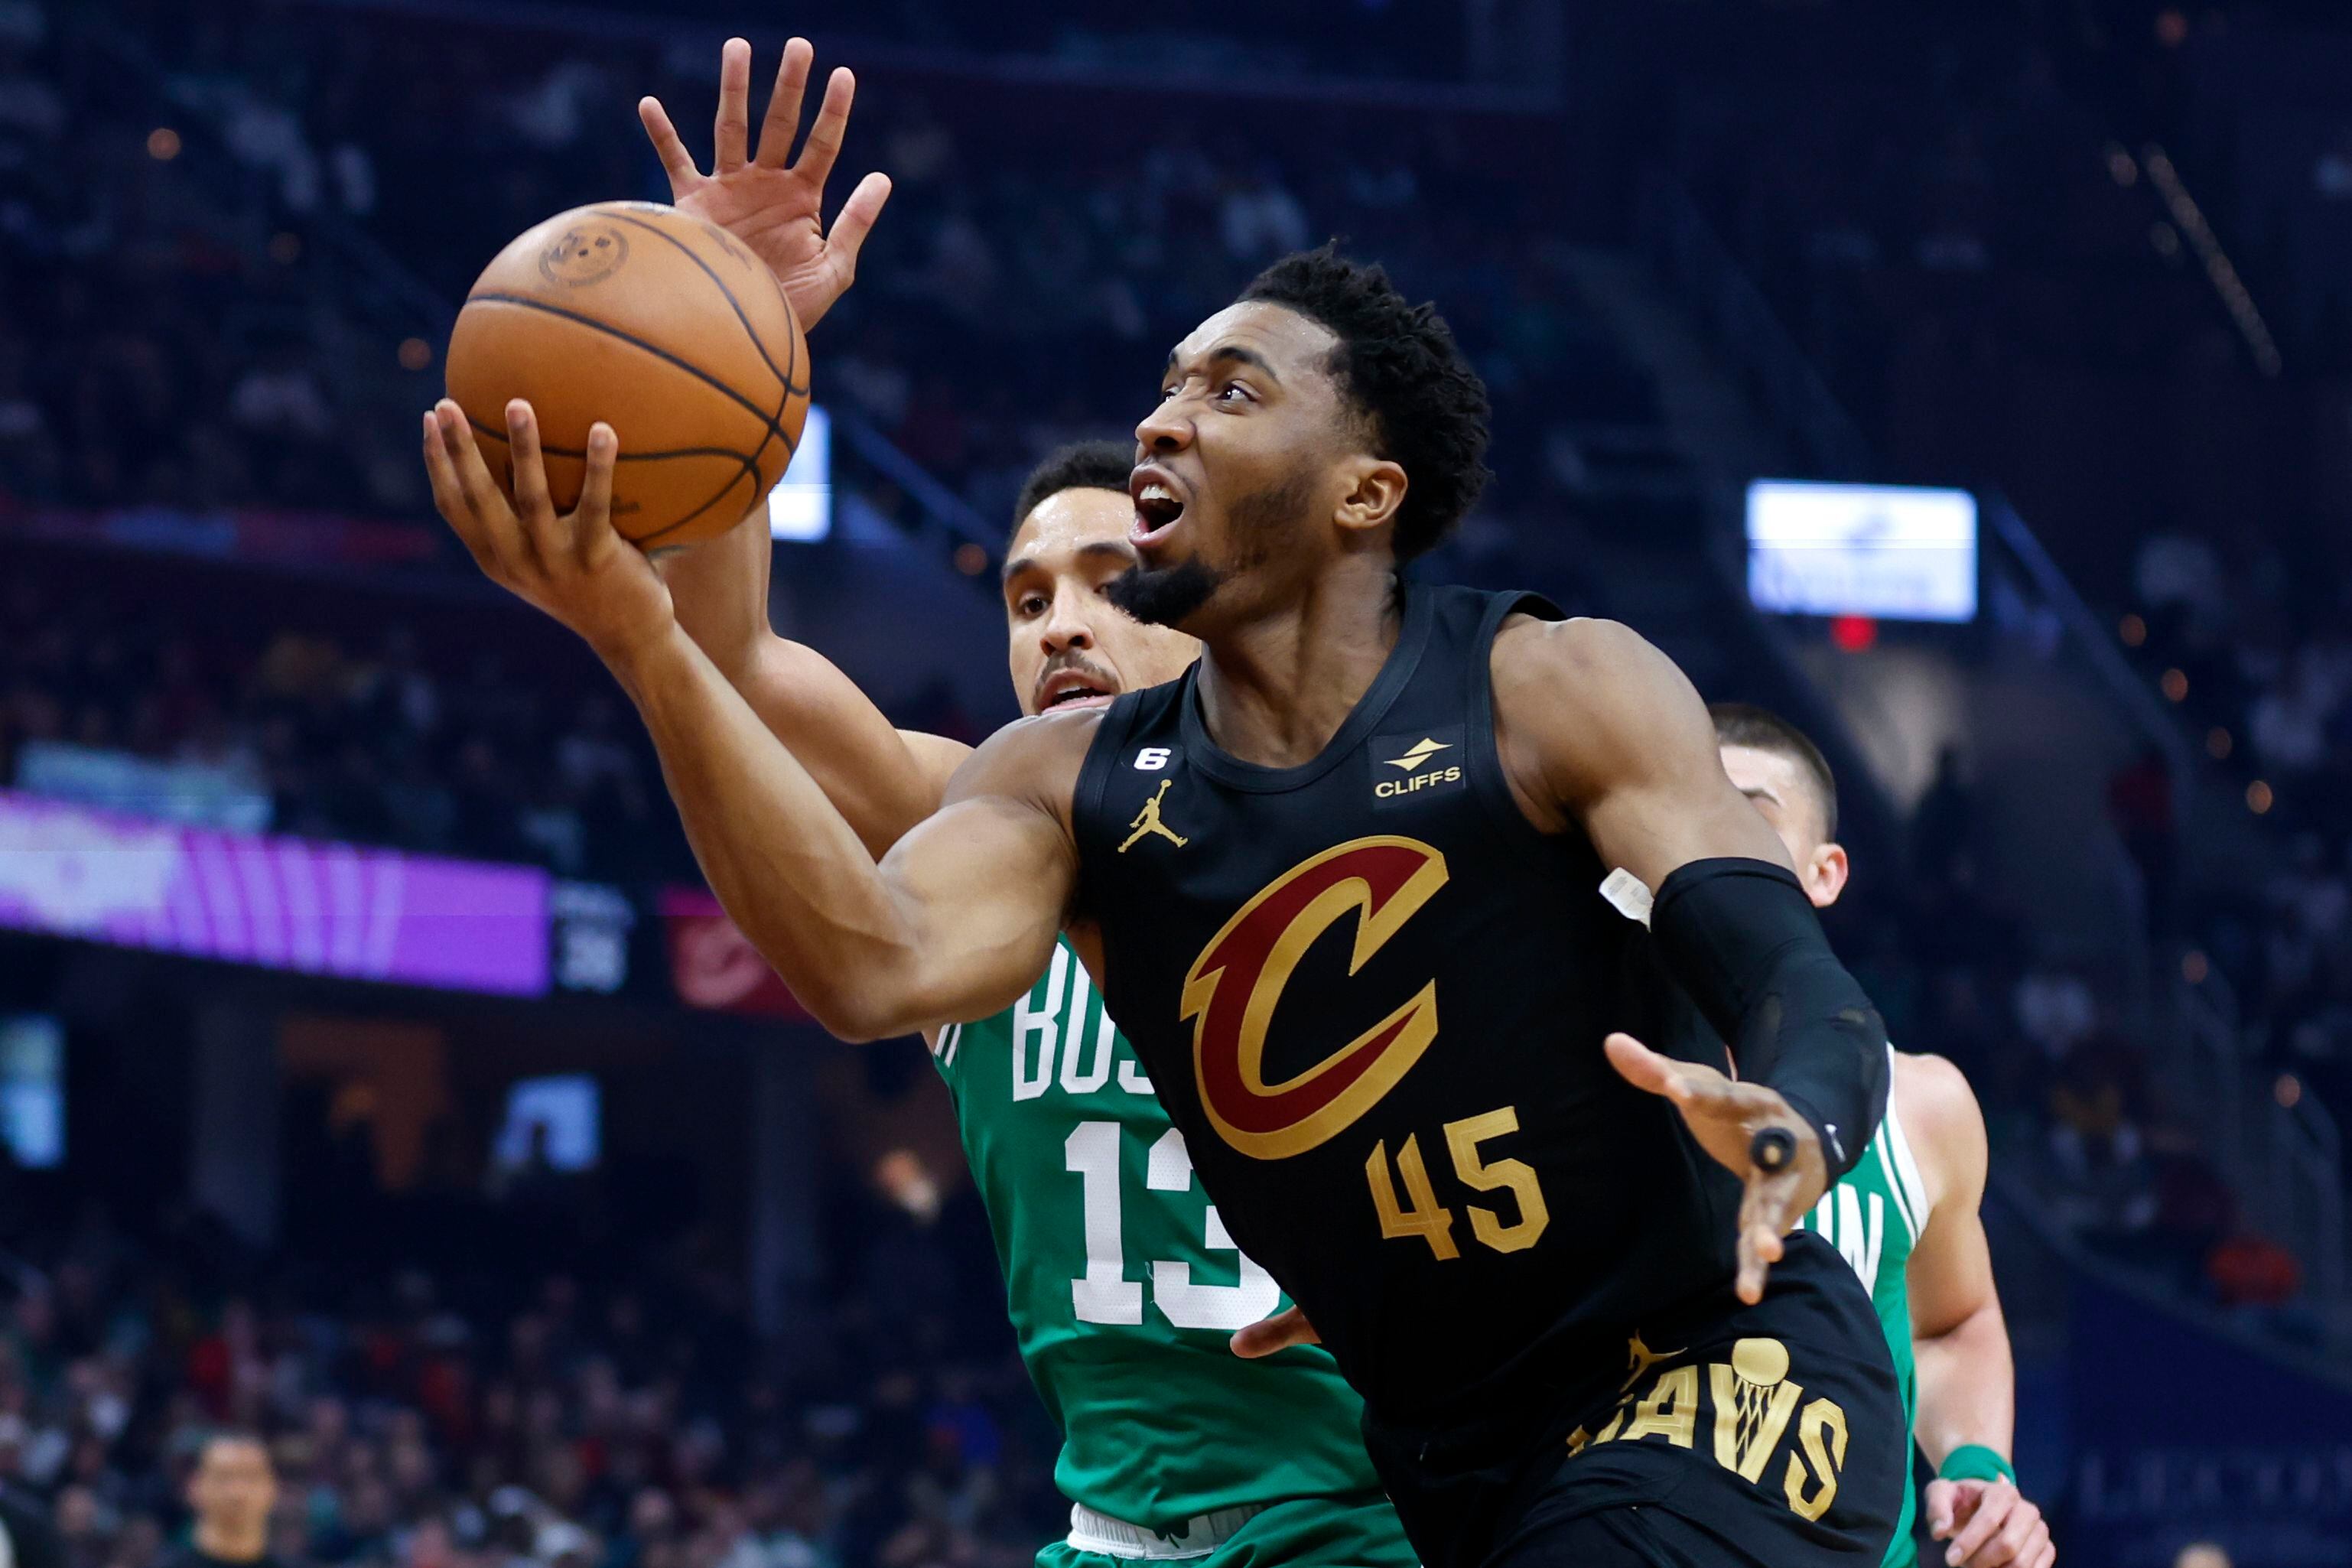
(1941, 1119)
(1583, 662)
(1585, 699)
(1037, 757)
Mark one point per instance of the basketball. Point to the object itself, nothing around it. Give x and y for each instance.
(664, 327)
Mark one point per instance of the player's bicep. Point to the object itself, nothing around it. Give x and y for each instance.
(985, 884)
(1623, 743)
(1950, 1271)
(983, 887)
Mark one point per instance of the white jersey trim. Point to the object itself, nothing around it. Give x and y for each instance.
(1902, 1170)
(1100, 1532)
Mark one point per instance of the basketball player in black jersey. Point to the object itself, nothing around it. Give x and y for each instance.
(1384, 892)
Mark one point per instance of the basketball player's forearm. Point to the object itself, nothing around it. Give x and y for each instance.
(1967, 1386)
(787, 866)
(1739, 936)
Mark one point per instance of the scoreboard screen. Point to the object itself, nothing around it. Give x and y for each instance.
(1886, 551)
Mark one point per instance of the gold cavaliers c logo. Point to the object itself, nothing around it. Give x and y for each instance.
(1232, 989)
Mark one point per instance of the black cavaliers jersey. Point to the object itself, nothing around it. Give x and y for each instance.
(1372, 996)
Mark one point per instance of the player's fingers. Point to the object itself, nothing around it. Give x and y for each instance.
(473, 476)
(449, 495)
(783, 118)
(732, 129)
(1939, 1508)
(492, 516)
(592, 520)
(824, 138)
(2020, 1540)
(1992, 1512)
(1749, 1282)
(856, 219)
(1766, 1201)
(542, 532)
(2004, 1549)
(676, 161)
(1643, 1067)
(1284, 1330)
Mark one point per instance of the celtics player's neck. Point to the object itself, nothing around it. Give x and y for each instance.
(1277, 686)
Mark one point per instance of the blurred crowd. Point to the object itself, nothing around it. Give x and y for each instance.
(214, 240)
(2252, 649)
(1975, 233)
(338, 725)
(179, 1404)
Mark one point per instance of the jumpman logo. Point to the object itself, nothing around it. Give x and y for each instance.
(1639, 1358)
(1147, 823)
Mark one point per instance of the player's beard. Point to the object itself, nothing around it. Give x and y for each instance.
(1170, 596)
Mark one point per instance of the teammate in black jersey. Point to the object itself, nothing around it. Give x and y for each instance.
(1344, 886)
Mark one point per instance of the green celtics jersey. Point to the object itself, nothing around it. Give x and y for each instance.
(1125, 1288)
(1873, 1219)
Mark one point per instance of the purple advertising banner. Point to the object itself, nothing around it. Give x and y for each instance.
(282, 903)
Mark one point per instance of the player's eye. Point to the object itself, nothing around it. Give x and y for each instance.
(1031, 604)
(1233, 391)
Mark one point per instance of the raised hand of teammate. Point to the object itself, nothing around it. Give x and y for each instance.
(776, 207)
(573, 566)
(1990, 1524)
(1725, 1115)
(1286, 1328)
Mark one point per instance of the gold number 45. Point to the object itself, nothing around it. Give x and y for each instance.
(1422, 1215)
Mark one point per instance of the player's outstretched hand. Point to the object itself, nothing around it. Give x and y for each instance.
(573, 566)
(1725, 1115)
(1286, 1328)
(774, 207)
(1990, 1524)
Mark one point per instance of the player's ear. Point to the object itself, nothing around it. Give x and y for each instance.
(1825, 871)
(1375, 493)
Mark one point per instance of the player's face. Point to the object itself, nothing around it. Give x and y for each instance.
(1784, 793)
(1071, 647)
(1248, 447)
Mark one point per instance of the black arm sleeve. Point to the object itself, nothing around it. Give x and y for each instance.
(1742, 940)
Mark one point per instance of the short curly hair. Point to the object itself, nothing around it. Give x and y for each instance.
(1399, 367)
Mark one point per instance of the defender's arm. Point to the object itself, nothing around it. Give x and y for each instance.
(956, 922)
(1598, 727)
(1967, 1380)
(882, 780)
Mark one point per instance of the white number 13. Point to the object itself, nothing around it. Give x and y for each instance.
(1103, 1294)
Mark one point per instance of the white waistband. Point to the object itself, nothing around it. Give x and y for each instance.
(1092, 1531)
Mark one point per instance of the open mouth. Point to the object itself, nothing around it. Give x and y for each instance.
(1073, 689)
(1158, 507)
